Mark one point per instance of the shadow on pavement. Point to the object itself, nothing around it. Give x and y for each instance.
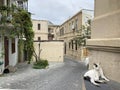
(111, 85)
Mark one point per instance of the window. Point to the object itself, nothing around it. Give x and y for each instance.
(38, 26)
(8, 3)
(13, 45)
(76, 24)
(50, 30)
(72, 24)
(39, 38)
(1, 2)
(65, 29)
(62, 31)
(76, 45)
(50, 36)
(69, 26)
(72, 45)
(69, 45)
(20, 4)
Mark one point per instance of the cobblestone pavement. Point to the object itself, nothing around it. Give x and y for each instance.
(67, 76)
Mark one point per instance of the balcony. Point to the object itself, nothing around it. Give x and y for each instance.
(5, 21)
(50, 31)
(5, 18)
(22, 4)
(50, 36)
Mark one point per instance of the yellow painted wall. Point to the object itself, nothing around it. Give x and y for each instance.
(51, 50)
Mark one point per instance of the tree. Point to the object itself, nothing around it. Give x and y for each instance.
(21, 23)
(4, 25)
(86, 34)
(37, 57)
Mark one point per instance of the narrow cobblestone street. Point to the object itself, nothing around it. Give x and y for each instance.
(59, 76)
(67, 76)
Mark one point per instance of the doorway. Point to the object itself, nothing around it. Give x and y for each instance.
(6, 48)
(65, 48)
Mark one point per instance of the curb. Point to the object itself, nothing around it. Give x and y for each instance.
(83, 85)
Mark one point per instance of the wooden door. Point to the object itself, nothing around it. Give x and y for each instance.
(65, 48)
(6, 48)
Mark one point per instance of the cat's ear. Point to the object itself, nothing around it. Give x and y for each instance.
(99, 63)
(95, 65)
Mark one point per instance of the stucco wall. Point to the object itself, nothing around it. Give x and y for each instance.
(106, 6)
(51, 50)
(110, 62)
(13, 57)
(104, 47)
(43, 36)
(106, 23)
(43, 32)
(1, 59)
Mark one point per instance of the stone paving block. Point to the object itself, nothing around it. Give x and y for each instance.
(111, 85)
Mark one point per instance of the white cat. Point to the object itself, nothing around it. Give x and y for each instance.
(95, 75)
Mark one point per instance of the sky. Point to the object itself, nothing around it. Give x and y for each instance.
(57, 11)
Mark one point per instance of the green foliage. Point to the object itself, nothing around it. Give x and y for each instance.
(5, 14)
(41, 64)
(20, 47)
(2, 54)
(86, 30)
(81, 41)
(3, 8)
(23, 25)
(25, 0)
(4, 21)
(1, 62)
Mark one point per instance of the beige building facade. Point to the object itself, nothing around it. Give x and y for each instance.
(40, 28)
(71, 29)
(52, 32)
(104, 47)
(45, 39)
(44, 30)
